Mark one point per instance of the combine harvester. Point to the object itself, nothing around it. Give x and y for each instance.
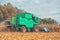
(25, 22)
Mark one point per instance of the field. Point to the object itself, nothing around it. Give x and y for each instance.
(54, 35)
(29, 36)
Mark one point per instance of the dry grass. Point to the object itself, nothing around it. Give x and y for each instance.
(29, 36)
(52, 27)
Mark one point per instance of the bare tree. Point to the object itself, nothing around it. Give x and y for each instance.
(7, 11)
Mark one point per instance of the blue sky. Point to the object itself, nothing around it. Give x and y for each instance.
(41, 8)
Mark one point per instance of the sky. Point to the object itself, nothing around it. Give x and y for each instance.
(40, 8)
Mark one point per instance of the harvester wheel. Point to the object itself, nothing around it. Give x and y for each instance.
(23, 29)
(11, 28)
(8, 28)
(36, 28)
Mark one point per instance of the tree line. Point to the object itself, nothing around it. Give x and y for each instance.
(7, 11)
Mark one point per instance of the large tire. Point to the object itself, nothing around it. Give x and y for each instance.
(8, 29)
(23, 29)
(11, 28)
(36, 28)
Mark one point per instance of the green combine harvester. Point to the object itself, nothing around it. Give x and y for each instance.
(25, 22)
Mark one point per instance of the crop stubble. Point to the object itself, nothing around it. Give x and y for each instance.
(29, 36)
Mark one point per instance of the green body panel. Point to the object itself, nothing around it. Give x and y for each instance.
(13, 21)
(26, 19)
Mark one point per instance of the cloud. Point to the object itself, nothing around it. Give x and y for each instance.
(41, 8)
(37, 1)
